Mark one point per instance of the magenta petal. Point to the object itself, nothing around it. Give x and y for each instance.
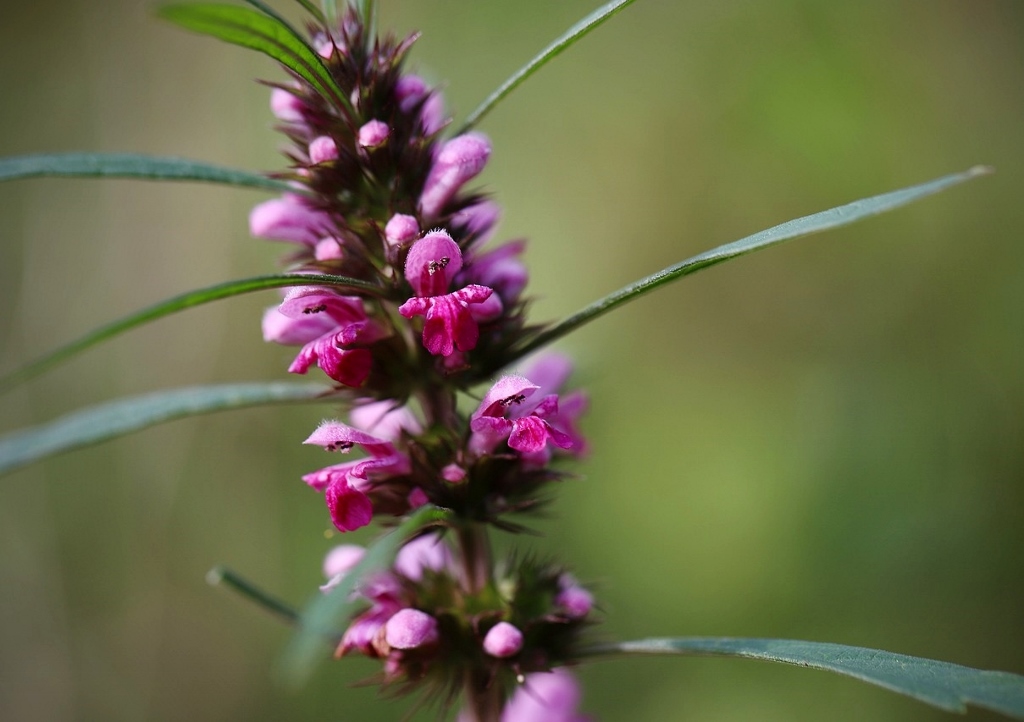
(350, 367)
(529, 434)
(350, 509)
(432, 263)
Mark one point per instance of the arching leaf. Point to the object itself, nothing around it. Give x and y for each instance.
(941, 684)
(823, 221)
(117, 418)
(576, 32)
(131, 165)
(258, 31)
(173, 305)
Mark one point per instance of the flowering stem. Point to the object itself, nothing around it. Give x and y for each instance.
(475, 552)
(484, 698)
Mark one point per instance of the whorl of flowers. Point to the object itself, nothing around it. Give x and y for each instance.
(382, 197)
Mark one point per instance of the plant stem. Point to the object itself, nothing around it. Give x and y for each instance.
(484, 698)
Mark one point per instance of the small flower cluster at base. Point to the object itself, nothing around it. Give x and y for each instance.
(424, 624)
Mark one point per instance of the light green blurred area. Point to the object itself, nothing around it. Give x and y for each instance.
(824, 441)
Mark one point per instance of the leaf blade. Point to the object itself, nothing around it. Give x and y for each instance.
(945, 685)
(257, 31)
(124, 416)
(173, 305)
(806, 225)
(557, 46)
(131, 165)
(322, 618)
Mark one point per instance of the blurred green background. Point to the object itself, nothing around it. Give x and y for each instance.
(824, 441)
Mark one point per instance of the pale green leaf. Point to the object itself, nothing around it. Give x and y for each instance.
(823, 221)
(131, 165)
(173, 305)
(123, 416)
(564, 41)
(941, 684)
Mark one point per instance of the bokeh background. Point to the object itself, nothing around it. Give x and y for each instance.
(824, 441)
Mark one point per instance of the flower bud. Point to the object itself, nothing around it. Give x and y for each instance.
(503, 640)
(323, 149)
(401, 229)
(410, 628)
(459, 160)
(373, 134)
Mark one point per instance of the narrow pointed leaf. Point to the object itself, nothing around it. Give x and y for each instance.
(323, 620)
(173, 305)
(823, 221)
(117, 418)
(576, 32)
(222, 576)
(258, 31)
(944, 685)
(313, 10)
(131, 165)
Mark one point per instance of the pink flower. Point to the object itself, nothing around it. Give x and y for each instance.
(545, 697)
(449, 323)
(286, 106)
(459, 160)
(503, 640)
(424, 552)
(432, 263)
(288, 218)
(346, 485)
(505, 413)
(345, 324)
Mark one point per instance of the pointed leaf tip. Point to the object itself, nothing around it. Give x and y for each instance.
(945, 685)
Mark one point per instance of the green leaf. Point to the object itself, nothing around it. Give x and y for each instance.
(940, 684)
(173, 305)
(323, 619)
(576, 32)
(823, 221)
(131, 165)
(313, 10)
(267, 34)
(223, 576)
(117, 418)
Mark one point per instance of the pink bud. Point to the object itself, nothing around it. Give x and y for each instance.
(459, 160)
(417, 498)
(342, 558)
(401, 229)
(410, 628)
(503, 640)
(373, 134)
(323, 149)
(328, 249)
(453, 474)
(285, 106)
